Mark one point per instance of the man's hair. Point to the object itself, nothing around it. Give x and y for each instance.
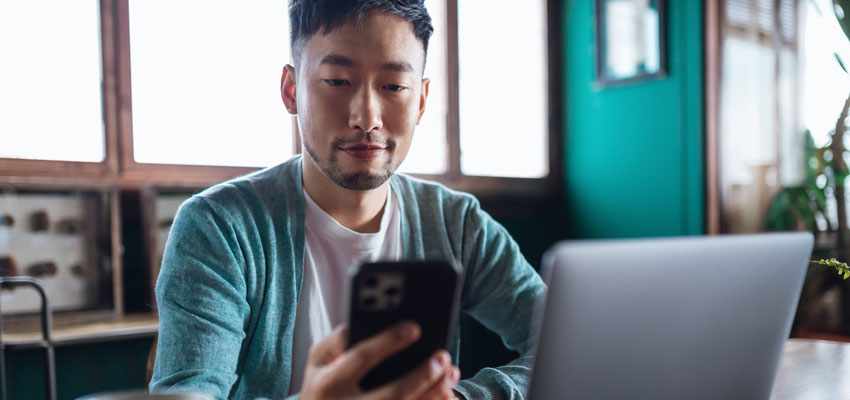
(307, 17)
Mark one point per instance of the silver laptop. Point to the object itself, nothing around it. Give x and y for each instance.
(681, 318)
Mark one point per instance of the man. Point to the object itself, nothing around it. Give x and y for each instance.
(254, 271)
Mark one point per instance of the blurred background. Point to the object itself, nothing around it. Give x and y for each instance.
(567, 118)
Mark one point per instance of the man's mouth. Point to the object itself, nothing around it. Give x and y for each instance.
(363, 151)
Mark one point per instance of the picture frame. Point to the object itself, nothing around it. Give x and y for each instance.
(630, 41)
(69, 238)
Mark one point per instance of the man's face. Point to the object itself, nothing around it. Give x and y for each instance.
(359, 95)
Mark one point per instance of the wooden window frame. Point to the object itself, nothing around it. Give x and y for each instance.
(121, 169)
(506, 188)
(26, 170)
(132, 171)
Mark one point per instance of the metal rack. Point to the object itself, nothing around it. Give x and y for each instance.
(46, 333)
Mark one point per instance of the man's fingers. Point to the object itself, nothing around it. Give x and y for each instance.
(419, 381)
(328, 349)
(443, 389)
(360, 359)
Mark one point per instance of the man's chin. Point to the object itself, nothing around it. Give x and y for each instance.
(360, 180)
(356, 175)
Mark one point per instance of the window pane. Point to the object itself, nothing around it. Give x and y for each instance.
(826, 84)
(503, 88)
(50, 81)
(747, 127)
(747, 131)
(206, 82)
(428, 153)
(825, 87)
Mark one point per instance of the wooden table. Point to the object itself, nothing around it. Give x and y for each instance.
(126, 327)
(813, 369)
(809, 369)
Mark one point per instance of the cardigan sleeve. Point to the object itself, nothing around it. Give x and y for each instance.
(201, 297)
(504, 293)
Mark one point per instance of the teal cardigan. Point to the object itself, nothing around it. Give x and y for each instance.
(231, 275)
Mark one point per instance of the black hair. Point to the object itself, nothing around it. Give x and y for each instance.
(307, 17)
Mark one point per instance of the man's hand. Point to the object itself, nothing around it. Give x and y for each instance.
(332, 372)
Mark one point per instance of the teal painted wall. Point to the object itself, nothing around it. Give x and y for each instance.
(634, 154)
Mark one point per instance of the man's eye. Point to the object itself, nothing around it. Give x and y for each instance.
(336, 82)
(395, 88)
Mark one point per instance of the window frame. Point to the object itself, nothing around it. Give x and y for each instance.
(120, 168)
(492, 188)
(32, 169)
(132, 171)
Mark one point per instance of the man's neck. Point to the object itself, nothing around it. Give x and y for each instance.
(358, 210)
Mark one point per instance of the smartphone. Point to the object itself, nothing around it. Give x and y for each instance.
(382, 294)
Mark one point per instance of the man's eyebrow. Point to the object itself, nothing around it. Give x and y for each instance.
(337, 60)
(400, 66)
(334, 59)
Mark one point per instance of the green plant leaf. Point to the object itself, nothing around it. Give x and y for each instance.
(804, 209)
(841, 268)
(777, 217)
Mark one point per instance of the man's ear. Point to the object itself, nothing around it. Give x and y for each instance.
(287, 89)
(423, 97)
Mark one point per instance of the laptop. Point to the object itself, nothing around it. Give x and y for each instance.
(676, 318)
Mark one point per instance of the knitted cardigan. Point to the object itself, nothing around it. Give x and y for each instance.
(231, 276)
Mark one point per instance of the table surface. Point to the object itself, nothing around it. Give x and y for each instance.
(813, 369)
(809, 369)
(126, 327)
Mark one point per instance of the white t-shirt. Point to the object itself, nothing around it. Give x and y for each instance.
(329, 250)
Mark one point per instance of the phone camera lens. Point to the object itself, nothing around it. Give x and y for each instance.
(371, 281)
(391, 291)
(369, 302)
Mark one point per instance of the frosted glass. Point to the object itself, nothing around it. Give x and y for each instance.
(503, 88)
(748, 109)
(206, 82)
(429, 153)
(50, 81)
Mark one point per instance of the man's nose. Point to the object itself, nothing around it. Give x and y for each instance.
(365, 112)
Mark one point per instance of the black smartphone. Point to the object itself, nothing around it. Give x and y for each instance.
(382, 294)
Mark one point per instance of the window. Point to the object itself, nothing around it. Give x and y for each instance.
(147, 96)
(429, 152)
(760, 134)
(50, 77)
(502, 72)
(209, 70)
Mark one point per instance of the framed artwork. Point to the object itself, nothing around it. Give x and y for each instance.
(630, 41)
(68, 239)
